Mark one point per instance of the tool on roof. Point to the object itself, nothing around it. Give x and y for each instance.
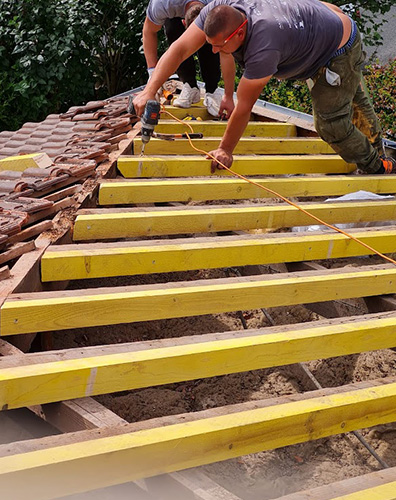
(172, 137)
(148, 120)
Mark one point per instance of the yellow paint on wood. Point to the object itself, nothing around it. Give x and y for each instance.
(132, 192)
(49, 311)
(195, 111)
(217, 128)
(46, 473)
(246, 145)
(381, 492)
(76, 378)
(22, 162)
(105, 224)
(194, 166)
(103, 260)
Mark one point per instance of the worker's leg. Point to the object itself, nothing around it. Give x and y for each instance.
(335, 106)
(210, 67)
(174, 28)
(365, 118)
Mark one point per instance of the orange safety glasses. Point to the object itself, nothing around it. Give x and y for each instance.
(232, 34)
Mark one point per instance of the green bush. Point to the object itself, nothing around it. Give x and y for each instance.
(381, 82)
(58, 53)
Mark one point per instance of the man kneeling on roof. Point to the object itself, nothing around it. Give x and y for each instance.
(175, 16)
(293, 39)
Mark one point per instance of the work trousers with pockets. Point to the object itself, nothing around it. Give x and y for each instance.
(209, 62)
(344, 116)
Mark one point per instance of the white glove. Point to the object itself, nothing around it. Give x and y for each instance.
(150, 72)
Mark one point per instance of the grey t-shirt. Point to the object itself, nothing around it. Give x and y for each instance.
(286, 38)
(158, 11)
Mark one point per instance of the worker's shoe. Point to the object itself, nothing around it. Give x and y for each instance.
(188, 96)
(213, 101)
(389, 164)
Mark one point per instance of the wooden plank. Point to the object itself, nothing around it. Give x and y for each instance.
(196, 111)
(123, 192)
(62, 379)
(4, 273)
(286, 115)
(364, 484)
(31, 232)
(63, 193)
(193, 166)
(246, 145)
(16, 251)
(217, 128)
(125, 223)
(56, 207)
(49, 311)
(43, 473)
(99, 260)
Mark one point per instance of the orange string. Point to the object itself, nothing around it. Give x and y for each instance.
(277, 195)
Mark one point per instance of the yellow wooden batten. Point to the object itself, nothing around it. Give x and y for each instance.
(130, 192)
(381, 492)
(68, 262)
(193, 166)
(118, 223)
(217, 128)
(99, 462)
(196, 111)
(49, 311)
(22, 162)
(51, 381)
(246, 145)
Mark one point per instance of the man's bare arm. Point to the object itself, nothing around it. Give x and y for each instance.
(190, 41)
(150, 42)
(228, 72)
(247, 94)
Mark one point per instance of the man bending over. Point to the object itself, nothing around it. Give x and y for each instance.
(175, 16)
(297, 40)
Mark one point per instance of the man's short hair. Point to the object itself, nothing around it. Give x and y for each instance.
(192, 13)
(222, 19)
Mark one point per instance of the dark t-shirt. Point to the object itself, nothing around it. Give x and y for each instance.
(286, 38)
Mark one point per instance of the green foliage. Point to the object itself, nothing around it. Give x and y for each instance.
(291, 94)
(381, 82)
(57, 53)
(44, 61)
(368, 15)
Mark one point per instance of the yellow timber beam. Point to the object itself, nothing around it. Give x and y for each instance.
(46, 472)
(198, 166)
(217, 128)
(246, 145)
(124, 223)
(151, 191)
(196, 111)
(378, 485)
(71, 262)
(91, 375)
(382, 492)
(49, 311)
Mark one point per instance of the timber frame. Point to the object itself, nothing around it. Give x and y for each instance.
(97, 446)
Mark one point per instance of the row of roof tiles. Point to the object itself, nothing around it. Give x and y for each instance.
(76, 142)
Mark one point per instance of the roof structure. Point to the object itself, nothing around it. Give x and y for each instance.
(163, 215)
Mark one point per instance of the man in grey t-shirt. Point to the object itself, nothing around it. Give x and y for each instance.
(173, 15)
(294, 39)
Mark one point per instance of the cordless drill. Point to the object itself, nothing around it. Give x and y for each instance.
(149, 119)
